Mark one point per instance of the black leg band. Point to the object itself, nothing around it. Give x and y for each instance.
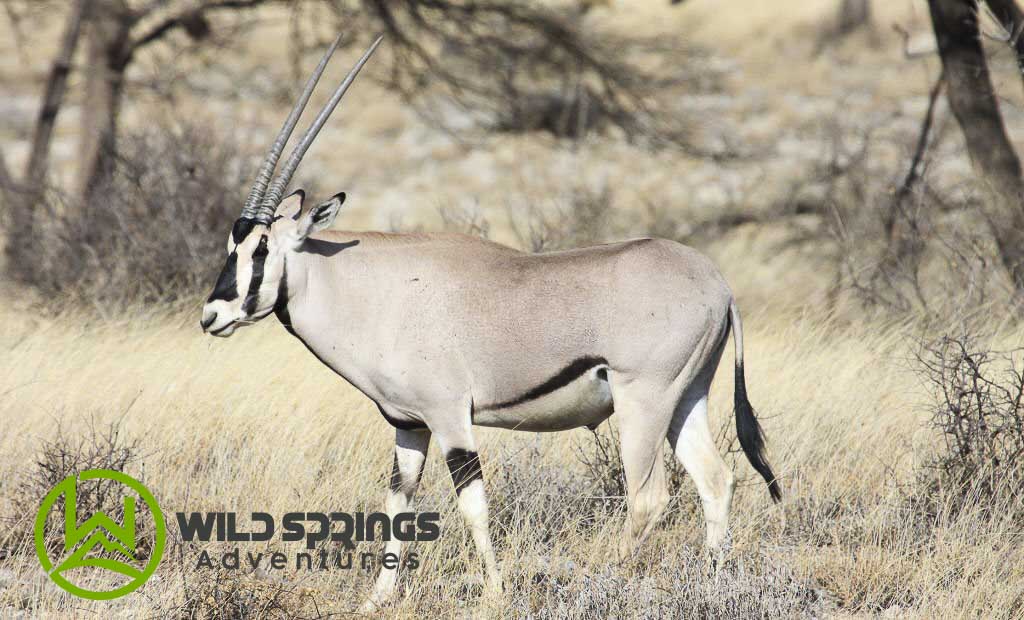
(465, 467)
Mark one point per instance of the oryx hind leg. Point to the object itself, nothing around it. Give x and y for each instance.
(643, 414)
(693, 445)
(410, 455)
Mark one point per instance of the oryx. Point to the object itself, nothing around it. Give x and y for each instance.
(444, 332)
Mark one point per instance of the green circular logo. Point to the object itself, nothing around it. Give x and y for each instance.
(99, 530)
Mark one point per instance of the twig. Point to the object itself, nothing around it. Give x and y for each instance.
(914, 173)
(7, 184)
(181, 20)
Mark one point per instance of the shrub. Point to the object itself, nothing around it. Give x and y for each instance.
(901, 240)
(584, 218)
(227, 594)
(978, 415)
(601, 459)
(67, 454)
(155, 232)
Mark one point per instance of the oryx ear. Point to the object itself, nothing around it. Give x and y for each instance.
(290, 206)
(320, 216)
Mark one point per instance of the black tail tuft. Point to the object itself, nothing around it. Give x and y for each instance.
(751, 437)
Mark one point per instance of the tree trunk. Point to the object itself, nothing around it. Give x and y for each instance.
(53, 98)
(23, 196)
(974, 104)
(109, 38)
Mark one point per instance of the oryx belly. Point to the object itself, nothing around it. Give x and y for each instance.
(585, 400)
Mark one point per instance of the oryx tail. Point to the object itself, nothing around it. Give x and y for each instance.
(748, 429)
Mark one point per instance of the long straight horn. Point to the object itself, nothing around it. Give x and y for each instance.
(251, 208)
(276, 191)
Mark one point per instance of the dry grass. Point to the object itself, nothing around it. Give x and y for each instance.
(221, 428)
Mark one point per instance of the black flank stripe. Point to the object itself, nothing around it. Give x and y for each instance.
(564, 377)
(259, 259)
(465, 467)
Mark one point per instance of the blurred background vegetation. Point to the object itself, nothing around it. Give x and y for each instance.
(842, 133)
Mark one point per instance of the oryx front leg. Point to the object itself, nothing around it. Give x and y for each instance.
(467, 475)
(410, 454)
(695, 448)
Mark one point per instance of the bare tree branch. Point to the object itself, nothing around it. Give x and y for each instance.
(914, 172)
(7, 183)
(187, 20)
(514, 66)
(1009, 15)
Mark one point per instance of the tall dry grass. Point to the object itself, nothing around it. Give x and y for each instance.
(255, 423)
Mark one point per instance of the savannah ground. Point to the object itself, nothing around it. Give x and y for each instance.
(255, 423)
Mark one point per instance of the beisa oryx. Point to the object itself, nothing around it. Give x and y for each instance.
(444, 332)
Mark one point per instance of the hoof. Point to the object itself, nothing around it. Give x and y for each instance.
(626, 550)
(374, 603)
(494, 589)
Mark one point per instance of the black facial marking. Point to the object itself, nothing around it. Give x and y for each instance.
(465, 467)
(241, 229)
(227, 285)
(259, 259)
(564, 377)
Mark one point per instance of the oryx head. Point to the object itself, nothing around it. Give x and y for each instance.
(269, 227)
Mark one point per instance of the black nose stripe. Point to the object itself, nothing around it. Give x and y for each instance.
(226, 288)
(204, 323)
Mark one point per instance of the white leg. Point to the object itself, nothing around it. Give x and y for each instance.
(410, 454)
(467, 475)
(695, 448)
